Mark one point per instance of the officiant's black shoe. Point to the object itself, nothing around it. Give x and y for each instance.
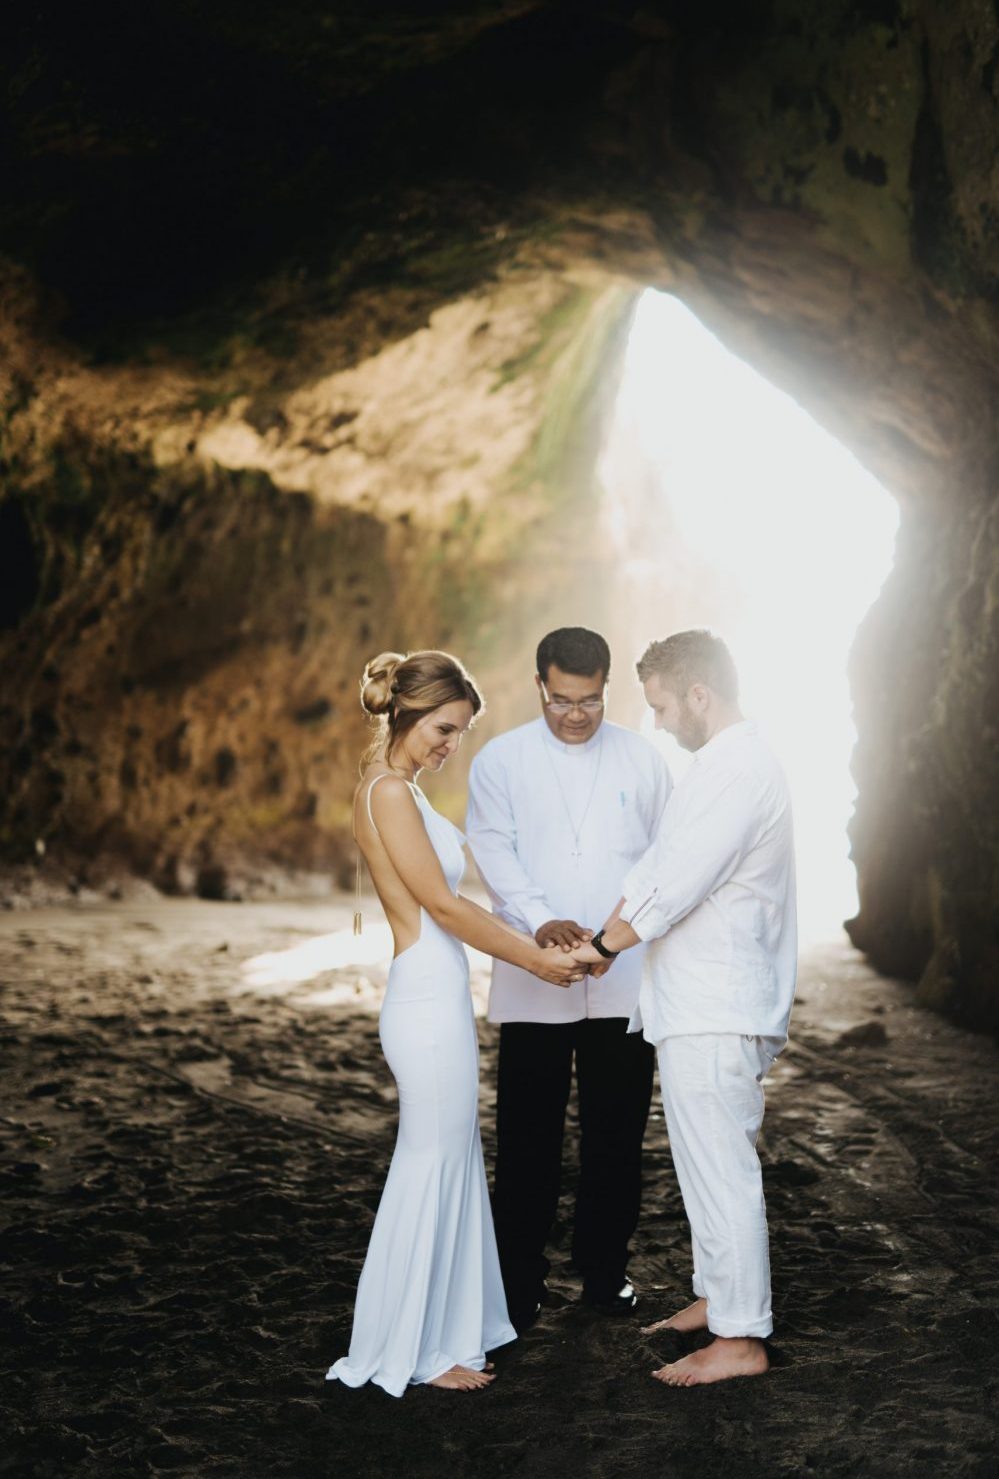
(524, 1312)
(608, 1302)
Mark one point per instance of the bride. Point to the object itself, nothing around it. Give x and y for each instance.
(430, 1300)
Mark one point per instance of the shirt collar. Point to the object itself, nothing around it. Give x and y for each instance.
(721, 741)
(560, 748)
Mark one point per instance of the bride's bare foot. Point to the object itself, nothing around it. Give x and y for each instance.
(723, 1358)
(463, 1379)
(694, 1317)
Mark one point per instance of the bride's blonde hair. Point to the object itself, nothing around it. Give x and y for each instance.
(399, 691)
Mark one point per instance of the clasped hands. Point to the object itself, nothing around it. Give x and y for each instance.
(573, 939)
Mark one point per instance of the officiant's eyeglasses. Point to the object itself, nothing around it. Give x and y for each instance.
(588, 705)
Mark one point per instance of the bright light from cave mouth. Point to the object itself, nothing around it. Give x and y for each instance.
(729, 507)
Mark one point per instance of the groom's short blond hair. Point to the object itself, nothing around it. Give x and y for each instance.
(696, 656)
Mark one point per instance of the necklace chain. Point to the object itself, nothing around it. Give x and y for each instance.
(574, 829)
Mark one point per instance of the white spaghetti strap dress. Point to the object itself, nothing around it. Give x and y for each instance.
(430, 1294)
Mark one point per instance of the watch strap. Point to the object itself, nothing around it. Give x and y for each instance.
(598, 944)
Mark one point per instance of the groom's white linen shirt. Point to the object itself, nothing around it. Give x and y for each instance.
(715, 897)
(523, 788)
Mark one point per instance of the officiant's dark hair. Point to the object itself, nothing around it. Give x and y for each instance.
(696, 656)
(574, 650)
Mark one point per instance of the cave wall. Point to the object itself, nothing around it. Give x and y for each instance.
(206, 572)
(244, 351)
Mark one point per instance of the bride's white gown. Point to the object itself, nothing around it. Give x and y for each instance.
(430, 1294)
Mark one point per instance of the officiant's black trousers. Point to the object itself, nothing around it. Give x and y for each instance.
(614, 1087)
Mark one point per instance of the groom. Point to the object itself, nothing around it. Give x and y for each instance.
(715, 897)
(558, 810)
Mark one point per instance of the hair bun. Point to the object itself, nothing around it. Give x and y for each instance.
(377, 682)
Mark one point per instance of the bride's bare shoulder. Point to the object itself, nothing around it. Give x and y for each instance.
(395, 785)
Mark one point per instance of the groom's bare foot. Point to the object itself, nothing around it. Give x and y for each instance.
(462, 1379)
(723, 1358)
(694, 1317)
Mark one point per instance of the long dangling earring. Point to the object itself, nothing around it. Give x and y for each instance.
(358, 926)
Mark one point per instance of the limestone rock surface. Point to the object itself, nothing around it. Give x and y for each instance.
(303, 322)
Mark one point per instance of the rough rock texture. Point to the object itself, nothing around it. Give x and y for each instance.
(250, 258)
(208, 579)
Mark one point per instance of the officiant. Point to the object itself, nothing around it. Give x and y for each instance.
(558, 810)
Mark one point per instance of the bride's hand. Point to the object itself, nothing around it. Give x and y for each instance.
(595, 964)
(558, 969)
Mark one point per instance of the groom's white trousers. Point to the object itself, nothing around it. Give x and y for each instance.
(712, 1085)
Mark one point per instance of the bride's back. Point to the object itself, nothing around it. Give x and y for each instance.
(401, 910)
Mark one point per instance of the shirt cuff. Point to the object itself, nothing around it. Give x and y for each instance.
(644, 915)
(537, 914)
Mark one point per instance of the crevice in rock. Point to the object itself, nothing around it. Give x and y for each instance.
(20, 564)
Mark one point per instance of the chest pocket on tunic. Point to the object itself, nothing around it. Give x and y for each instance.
(627, 835)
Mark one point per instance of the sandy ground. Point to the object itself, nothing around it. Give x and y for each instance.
(196, 1125)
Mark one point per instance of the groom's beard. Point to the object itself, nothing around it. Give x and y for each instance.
(691, 730)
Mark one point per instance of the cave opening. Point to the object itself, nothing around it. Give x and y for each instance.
(728, 506)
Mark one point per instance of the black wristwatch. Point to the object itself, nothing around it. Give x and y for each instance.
(598, 944)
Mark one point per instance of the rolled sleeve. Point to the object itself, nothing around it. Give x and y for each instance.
(640, 889)
(641, 910)
(695, 853)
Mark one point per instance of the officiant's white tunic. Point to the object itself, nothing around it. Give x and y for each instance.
(529, 797)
